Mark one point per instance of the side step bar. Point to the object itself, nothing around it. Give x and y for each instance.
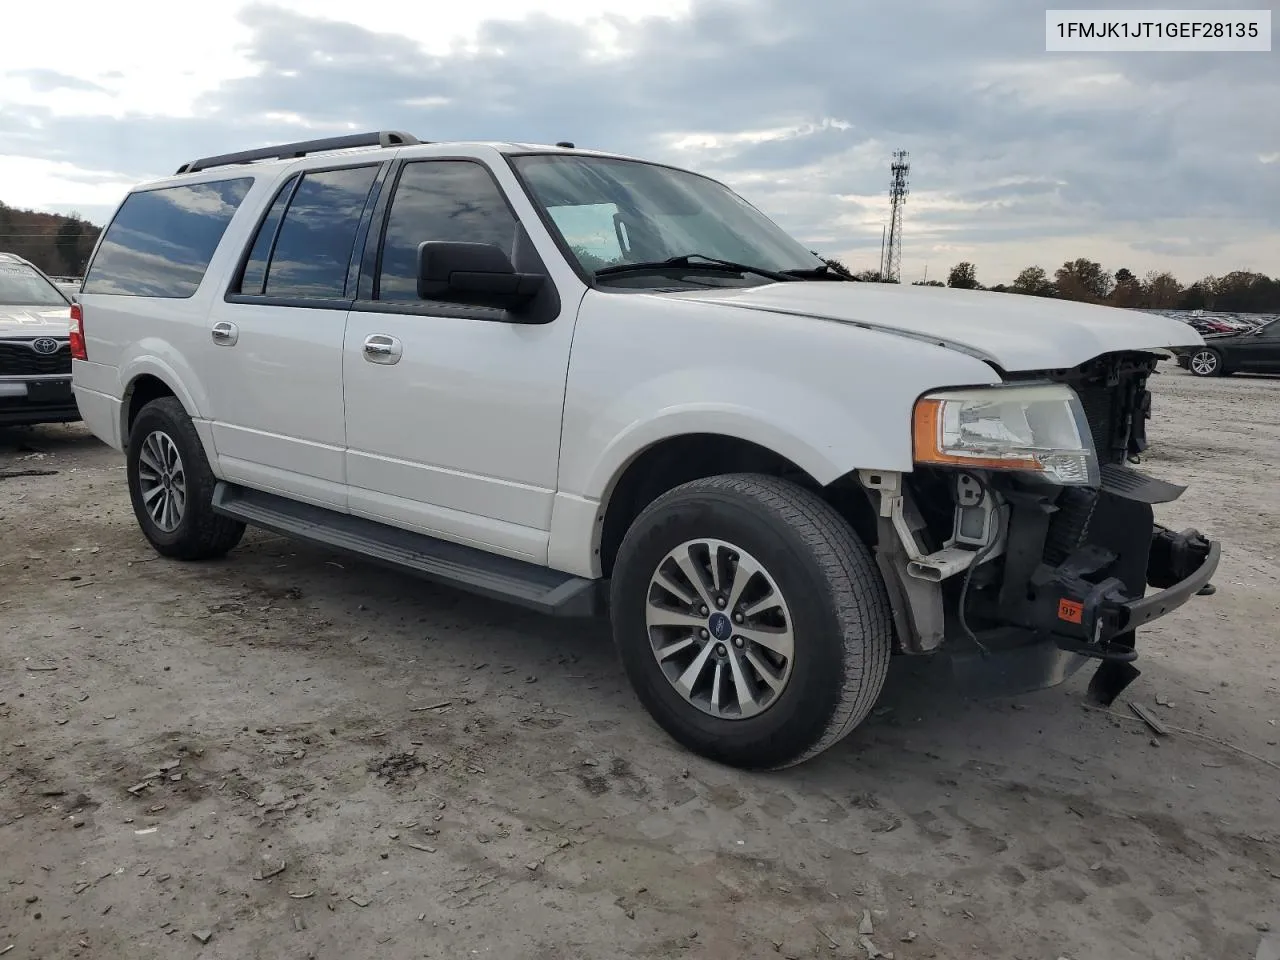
(466, 568)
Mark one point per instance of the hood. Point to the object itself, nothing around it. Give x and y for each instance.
(26, 322)
(1013, 332)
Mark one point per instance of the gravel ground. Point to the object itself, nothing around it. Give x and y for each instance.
(354, 764)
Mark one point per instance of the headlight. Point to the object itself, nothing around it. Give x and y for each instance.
(1041, 429)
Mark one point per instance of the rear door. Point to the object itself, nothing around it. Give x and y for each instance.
(273, 347)
(453, 413)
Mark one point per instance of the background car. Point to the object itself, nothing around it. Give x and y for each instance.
(1253, 350)
(35, 354)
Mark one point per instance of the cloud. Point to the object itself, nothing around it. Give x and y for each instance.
(1017, 155)
(46, 81)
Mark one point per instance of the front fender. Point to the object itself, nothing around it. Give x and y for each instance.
(785, 417)
(830, 397)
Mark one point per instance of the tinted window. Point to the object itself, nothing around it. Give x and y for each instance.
(255, 269)
(161, 241)
(440, 200)
(313, 249)
(22, 286)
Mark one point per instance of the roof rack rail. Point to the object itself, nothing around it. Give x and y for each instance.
(291, 151)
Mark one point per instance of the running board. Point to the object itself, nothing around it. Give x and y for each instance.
(466, 568)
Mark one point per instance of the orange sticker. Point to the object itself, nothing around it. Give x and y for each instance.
(1070, 611)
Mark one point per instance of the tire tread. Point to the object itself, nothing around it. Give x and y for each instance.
(211, 534)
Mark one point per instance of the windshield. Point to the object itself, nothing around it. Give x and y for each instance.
(612, 212)
(22, 286)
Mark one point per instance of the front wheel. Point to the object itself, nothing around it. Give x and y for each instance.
(171, 486)
(1206, 363)
(751, 620)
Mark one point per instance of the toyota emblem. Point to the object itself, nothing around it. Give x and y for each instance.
(45, 345)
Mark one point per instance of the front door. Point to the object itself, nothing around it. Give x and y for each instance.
(453, 413)
(275, 342)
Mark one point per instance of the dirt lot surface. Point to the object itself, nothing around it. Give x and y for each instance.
(353, 764)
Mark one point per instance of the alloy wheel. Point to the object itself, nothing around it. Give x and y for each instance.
(1204, 363)
(162, 480)
(720, 628)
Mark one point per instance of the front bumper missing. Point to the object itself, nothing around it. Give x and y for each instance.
(1091, 613)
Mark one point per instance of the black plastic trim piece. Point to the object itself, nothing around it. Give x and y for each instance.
(292, 151)
(330, 303)
(434, 308)
(1156, 605)
(466, 568)
(289, 186)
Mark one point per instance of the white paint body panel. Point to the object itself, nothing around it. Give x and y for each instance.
(275, 398)
(23, 322)
(1015, 332)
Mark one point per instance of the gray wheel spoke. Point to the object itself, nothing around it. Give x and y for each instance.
(716, 558)
(746, 699)
(675, 589)
(689, 679)
(747, 569)
(666, 617)
(148, 456)
(685, 562)
(671, 649)
(149, 496)
(768, 675)
(779, 641)
(767, 602)
(727, 670)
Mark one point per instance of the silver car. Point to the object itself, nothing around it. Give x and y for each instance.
(35, 354)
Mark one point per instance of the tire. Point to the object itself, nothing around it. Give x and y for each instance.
(1206, 362)
(832, 599)
(161, 432)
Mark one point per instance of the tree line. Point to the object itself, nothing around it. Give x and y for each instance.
(57, 244)
(1085, 280)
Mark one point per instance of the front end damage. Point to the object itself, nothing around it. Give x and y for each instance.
(1023, 580)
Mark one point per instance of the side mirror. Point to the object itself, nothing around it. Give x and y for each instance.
(473, 273)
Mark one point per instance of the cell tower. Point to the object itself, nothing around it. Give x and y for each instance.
(891, 262)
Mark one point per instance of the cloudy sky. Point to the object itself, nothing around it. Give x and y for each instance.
(1144, 160)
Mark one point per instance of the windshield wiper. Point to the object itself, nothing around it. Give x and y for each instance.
(822, 272)
(685, 260)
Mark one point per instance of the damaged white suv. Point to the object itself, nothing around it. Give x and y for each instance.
(580, 382)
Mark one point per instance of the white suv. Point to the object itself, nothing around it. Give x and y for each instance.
(35, 357)
(578, 381)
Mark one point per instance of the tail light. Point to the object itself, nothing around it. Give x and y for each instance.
(78, 351)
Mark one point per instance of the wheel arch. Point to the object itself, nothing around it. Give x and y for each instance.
(671, 461)
(147, 380)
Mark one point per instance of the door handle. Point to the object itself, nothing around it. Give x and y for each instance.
(225, 334)
(380, 348)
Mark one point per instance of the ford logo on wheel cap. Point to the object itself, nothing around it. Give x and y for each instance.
(45, 345)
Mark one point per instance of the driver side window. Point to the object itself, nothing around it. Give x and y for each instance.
(455, 200)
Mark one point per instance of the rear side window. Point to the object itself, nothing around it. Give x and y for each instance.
(309, 254)
(440, 200)
(254, 278)
(161, 241)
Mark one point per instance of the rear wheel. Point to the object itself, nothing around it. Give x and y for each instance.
(1206, 363)
(171, 486)
(751, 620)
